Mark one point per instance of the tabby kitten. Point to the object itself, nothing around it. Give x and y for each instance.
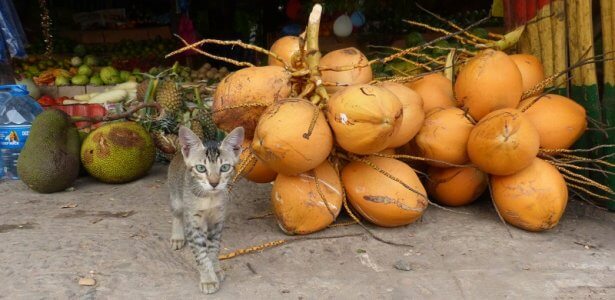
(198, 180)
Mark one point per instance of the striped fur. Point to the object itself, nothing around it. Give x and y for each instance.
(198, 181)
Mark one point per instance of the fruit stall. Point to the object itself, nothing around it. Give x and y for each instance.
(374, 111)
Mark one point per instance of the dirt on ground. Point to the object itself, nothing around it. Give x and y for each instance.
(118, 235)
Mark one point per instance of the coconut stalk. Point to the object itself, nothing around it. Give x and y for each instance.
(313, 55)
(608, 97)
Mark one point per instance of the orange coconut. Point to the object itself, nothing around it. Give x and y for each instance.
(412, 114)
(257, 172)
(345, 58)
(381, 200)
(532, 71)
(255, 85)
(456, 186)
(488, 82)
(444, 136)
(435, 90)
(279, 139)
(533, 199)
(302, 206)
(503, 142)
(560, 121)
(285, 47)
(363, 117)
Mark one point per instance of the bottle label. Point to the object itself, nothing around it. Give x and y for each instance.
(14, 136)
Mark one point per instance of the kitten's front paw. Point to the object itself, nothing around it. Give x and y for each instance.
(210, 287)
(177, 243)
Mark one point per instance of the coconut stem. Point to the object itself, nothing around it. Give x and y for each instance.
(473, 37)
(313, 55)
(575, 150)
(220, 58)
(586, 191)
(410, 157)
(419, 55)
(252, 249)
(244, 105)
(443, 31)
(315, 115)
(510, 39)
(246, 166)
(194, 46)
(322, 196)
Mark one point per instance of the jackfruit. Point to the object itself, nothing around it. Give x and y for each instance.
(49, 161)
(118, 152)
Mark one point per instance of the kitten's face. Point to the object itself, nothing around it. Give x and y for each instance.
(211, 165)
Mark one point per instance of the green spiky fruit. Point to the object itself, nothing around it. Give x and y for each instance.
(169, 96)
(142, 90)
(210, 129)
(118, 152)
(196, 127)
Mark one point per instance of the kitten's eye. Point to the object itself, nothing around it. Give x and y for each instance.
(225, 167)
(200, 168)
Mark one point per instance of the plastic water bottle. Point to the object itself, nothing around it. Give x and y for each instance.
(17, 111)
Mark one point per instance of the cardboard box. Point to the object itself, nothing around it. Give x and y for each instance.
(48, 90)
(70, 91)
(96, 89)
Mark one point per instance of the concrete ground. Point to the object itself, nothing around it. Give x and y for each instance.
(118, 234)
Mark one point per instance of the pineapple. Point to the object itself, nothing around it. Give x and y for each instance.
(166, 143)
(168, 95)
(211, 129)
(196, 127)
(142, 90)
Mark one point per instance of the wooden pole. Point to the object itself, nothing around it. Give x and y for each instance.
(545, 35)
(560, 48)
(607, 8)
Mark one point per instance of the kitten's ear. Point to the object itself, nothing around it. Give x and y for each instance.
(188, 141)
(234, 140)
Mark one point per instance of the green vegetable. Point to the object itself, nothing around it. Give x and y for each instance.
(61, 81)
(84, 70)
(124, 75)
(95, 80)
(107, 75)
(115, 79)
(79, 79)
